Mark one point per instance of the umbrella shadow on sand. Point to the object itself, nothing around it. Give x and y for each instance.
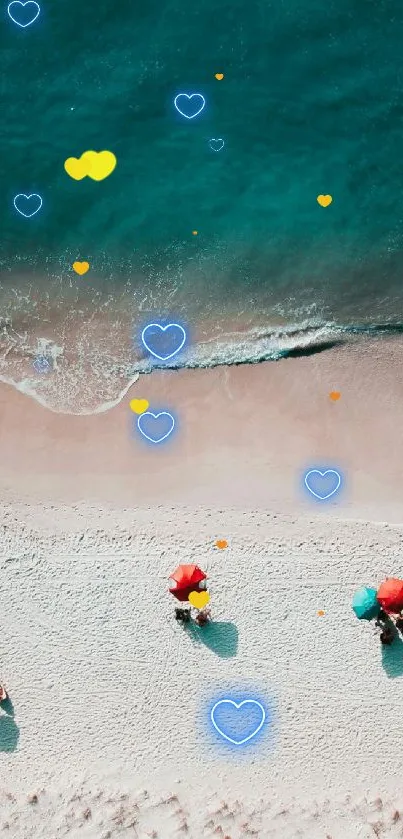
(392, 658)
(9, 733)
(221, 637)
(7, 706)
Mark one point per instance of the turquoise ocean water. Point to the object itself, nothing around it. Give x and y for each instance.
(311, 102)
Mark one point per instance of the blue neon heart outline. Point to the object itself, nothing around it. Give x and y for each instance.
(238, 706)
(41, 368)
(189, 97)
(322, 474)
(163, 329)
(27, 3)
(155, 416)
(32, 195)
(216, 140)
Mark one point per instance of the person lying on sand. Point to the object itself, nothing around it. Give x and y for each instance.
(382, 619)
(387, 635)
(3, 693)
(399, 623)
(182, 615)
(387, 627)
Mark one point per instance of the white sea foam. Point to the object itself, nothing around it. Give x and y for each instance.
(86, 379)
(93, 379)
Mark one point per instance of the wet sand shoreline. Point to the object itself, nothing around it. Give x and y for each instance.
(245, 435)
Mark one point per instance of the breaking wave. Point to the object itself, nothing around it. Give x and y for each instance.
(93, 371)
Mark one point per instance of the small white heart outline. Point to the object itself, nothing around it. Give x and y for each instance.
(216, 140)
(32, 195)
(27, 3)
(200, 95)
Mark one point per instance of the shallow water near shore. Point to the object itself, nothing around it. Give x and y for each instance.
(309, 104)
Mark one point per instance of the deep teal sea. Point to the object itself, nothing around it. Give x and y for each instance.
(311, 102)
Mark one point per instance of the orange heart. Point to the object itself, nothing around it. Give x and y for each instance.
(221, 543)
(81, 267)
(219, 76)
(324, 200)
(335, 395)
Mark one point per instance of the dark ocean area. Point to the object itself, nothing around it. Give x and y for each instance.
(231, 242)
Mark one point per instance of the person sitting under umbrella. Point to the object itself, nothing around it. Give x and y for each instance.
(386, 626)
(203, 616)
(366, 606)
(185, 580)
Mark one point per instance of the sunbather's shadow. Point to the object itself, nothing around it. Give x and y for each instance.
(221, 637)
(9, 734)
(392, 658)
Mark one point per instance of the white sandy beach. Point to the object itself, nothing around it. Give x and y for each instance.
(109, 733)
(109, 693)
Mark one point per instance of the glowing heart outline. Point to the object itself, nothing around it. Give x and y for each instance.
(41, 365)
(27, 3)
(216, 140)
(238, 706)
(155, 416)
(322, 474)
(32, 195)
(192, 116)
(163, 329)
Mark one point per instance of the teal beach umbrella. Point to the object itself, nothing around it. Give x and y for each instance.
(365, 604)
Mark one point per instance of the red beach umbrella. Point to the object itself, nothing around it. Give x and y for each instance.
(185, 579)
(390, 595)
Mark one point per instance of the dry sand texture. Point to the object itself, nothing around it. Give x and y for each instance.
(100, 674)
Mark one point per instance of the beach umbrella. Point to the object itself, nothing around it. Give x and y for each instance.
(185, 579)
(390, 595)
(365, 603)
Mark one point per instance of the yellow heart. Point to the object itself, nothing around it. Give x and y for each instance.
(219, 76)
(100, 164)
(138, 406)
(76, 168)
(324, 200)
(81, 267)
(198, 599)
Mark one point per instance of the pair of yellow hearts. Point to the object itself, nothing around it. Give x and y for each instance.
(96, 165)
(198, 599)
